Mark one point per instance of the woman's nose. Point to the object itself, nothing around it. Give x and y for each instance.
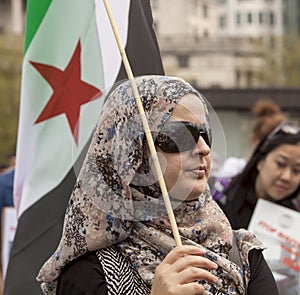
(286, 174)
(201, 147)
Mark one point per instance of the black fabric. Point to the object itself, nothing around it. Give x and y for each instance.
(239, 210)
(262, 281)
(142, 48)
(85, 276)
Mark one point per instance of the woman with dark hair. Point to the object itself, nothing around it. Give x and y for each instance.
(272, 173)
(117, 238)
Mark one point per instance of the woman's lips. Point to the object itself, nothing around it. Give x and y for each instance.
(281, 188)
(199, 171)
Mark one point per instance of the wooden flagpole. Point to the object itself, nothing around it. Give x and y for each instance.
(146, 127)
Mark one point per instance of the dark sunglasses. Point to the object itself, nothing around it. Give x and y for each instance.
(181, 136)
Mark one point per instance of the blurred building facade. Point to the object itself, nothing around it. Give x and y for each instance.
(12, 16)
(256, 19)
(228, 40)
(211, 43)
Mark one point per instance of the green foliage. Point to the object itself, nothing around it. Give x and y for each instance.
(283, 64)
(291, 58)
(11, 54)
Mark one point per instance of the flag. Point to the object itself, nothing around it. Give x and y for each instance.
(71, 60)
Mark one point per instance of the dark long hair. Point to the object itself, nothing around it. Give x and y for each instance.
(285, 133)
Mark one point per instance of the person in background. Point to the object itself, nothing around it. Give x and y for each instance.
(117, 238)
(3, 167)
(6, 188)
(267, 116)
(11, 162)
(7, 184)
(272, 173)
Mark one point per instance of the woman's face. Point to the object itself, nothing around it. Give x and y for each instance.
(279, 173)
(186, 173)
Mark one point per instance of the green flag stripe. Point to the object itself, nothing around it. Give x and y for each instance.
(35, 12)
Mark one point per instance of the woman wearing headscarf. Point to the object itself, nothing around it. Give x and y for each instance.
(117, 238)
(272, 174)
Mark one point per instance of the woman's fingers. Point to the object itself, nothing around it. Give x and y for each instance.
(191, 274)
(194, 260)
(191, 289)
(186, 256)
(186, 270)
(181, 252)
(167, 284)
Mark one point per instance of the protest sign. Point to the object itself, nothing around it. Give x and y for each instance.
(279, 229)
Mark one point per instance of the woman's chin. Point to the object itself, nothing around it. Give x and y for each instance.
(188, 195)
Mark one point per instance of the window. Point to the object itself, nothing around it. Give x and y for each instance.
(249, 17)
(205, 11)
(249, 78)
(222, 21)
(272, 19)
(237, 77)
(261, 18)
(183, 61)
(285, 19)
(238, 18)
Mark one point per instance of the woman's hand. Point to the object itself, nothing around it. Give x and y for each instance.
(177, 274)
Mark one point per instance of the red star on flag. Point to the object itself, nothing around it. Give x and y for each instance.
(69, 91)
